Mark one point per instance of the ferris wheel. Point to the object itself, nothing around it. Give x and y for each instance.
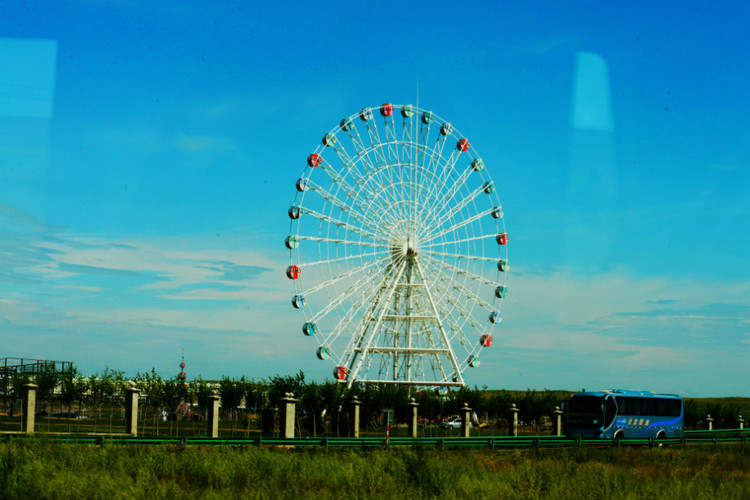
(398, 250)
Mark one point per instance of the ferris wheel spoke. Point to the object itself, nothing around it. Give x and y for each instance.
(376, 142)
(449, 293)
(458, 184)
(367, 306)
(348, 190)
(342, 276)
(443, 201)
(344, 258)
(390, 138)
(353, 290)
(376, 175)
(434, 197)
(431, 167)
(351, 321)
(361, 150)
(450, 213)
(349, 163)
(343, 242)
(454, 329)
(344, 207)
(339, 179)
(459, 241)
(421, 159)
(461, 290)
(458, 225)
(348, 227)
(462, 272)
(460, 256)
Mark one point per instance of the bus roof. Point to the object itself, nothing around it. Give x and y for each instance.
(625, 392)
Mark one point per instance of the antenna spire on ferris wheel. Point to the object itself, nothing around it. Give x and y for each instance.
(398, 249)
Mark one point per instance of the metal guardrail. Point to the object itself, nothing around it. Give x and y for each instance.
(491, 442)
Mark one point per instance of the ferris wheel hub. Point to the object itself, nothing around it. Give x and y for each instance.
(405, 247)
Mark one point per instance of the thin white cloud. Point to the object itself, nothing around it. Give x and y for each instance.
(201, 143)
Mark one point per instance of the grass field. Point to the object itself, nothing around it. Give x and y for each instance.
(43, 470)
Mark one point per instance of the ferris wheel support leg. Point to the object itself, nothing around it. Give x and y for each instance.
(353, 373)
(451, 355)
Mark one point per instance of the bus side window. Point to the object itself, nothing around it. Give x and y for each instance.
(649, 406)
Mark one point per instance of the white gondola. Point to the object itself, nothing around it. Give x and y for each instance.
(299, 301)
(346, 124)
(365, 114)
(329, 140)
(477, 164)
(291, 242)
(310, 329)
(301, 184)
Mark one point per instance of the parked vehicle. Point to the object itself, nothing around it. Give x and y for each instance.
(452, 423)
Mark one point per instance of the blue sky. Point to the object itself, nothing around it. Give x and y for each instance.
(148, 154)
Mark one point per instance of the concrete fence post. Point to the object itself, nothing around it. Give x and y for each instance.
(465, 421)
(709, 423)
(354, 427)
(558, 421)
(413, 412)
(514, 420)
(740, 422)
(290, 411)
(131, 409)
(212, 418)
(29, 406)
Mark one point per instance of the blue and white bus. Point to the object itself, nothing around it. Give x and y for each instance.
(624, 414)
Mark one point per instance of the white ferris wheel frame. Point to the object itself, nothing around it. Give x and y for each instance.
(411, 265)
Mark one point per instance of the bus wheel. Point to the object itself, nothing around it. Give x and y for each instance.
(617, 437)
(661, 435)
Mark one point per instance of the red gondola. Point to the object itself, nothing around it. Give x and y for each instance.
(386, 109)
(340, 373)
(293, 272)
(314, 160)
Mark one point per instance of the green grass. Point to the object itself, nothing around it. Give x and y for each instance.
(44, 470)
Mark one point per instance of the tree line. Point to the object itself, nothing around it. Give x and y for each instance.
(317, 402)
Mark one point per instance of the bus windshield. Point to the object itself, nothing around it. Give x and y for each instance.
(586, 405)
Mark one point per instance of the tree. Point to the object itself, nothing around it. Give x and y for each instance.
(47, 380)
(231, 391)
(201, 393)
(72, 387)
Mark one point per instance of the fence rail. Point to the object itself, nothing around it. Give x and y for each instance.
(492, 442)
